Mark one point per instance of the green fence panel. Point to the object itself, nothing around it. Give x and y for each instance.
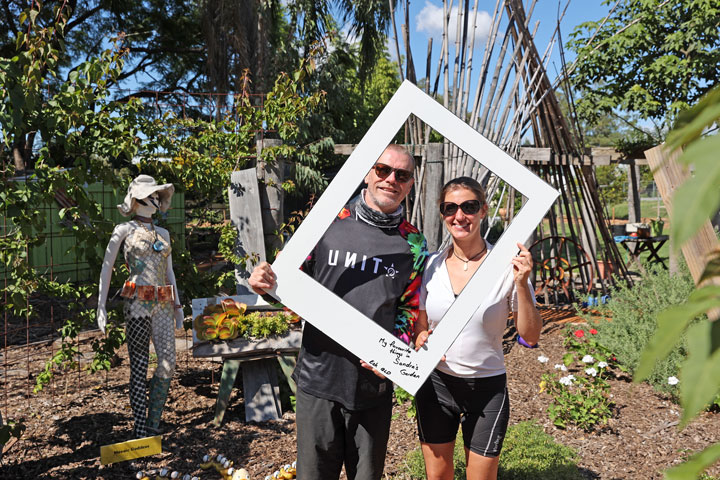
(55, 256)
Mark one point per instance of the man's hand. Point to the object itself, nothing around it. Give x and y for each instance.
(364, 364)
(262, 278)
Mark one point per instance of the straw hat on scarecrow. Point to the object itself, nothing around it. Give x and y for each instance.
(141, 188)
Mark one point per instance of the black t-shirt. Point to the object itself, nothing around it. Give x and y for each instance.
(378, 272)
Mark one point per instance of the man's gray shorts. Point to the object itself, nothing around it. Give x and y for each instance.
(329, 435)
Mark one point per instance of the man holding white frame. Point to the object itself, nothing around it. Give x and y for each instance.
(373, 259)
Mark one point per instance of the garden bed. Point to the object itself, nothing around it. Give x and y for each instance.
(65, 433)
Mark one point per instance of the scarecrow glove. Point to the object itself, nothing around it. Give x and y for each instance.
(179, 317)
(101, 318)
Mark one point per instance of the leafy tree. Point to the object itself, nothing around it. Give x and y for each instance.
(650, 57)
(608, 130)
(205, 152)
(70, 122)
(205, 45)
(368, 20)
(351, 108)
(697, 199)
(163, 38)
(612, 180)
(75, 134)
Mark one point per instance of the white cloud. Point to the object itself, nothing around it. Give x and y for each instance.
(430, 20)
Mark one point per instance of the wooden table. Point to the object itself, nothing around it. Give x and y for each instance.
(260, 383)
(635, 246)
(257, 357)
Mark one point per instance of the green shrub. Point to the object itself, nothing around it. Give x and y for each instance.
(528, 453)
(415, 464)
(583, 400)
(267, 324)
(582, 396)
(630, 321)
(402, 397)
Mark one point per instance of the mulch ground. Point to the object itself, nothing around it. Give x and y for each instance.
(68, 424)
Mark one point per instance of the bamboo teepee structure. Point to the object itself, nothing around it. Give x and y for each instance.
(512, 101)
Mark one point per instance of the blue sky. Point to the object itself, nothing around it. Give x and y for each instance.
(426, 19)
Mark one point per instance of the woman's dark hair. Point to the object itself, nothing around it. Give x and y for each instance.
(464, 182)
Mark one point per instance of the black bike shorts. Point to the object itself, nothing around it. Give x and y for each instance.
(480, 405)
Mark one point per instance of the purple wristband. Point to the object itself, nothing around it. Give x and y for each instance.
(522, 342)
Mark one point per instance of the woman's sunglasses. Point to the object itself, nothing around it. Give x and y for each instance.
(383, 171)
(469, 207)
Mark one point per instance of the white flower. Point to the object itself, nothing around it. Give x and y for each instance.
(591, 371)
(588, 359)
(543, 359)
(602, 364)
(567, 380)
(673, 380)
(561, 367)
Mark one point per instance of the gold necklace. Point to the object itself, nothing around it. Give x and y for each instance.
(468, 260)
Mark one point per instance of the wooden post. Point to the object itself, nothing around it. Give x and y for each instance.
(244, 197)
(433, 182)
(262, 392)
(668, 176)
(271, 177)
(634, 214)
(673, 264)
(588, 237)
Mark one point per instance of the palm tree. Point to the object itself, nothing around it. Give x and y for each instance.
(266, 37)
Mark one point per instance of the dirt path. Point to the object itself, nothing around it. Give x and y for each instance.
(65, 431)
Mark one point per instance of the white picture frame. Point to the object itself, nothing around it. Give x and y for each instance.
(350, 328)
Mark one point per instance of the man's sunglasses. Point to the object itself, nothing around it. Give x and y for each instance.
(469, 207)
(383, 171)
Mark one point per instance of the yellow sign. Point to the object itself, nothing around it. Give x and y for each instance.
(140, 447)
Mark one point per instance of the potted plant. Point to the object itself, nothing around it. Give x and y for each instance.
(656, 227)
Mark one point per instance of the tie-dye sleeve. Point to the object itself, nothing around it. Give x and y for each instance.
(408, 307)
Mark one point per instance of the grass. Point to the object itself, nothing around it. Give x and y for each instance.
(528, 454)
(648, 209)
(664, 251)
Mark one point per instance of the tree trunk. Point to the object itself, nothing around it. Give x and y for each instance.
(633, 194)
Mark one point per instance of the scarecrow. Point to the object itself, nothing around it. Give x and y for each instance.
(152, 307)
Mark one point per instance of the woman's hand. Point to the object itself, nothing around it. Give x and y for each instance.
(522, 265)
(422, 339)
